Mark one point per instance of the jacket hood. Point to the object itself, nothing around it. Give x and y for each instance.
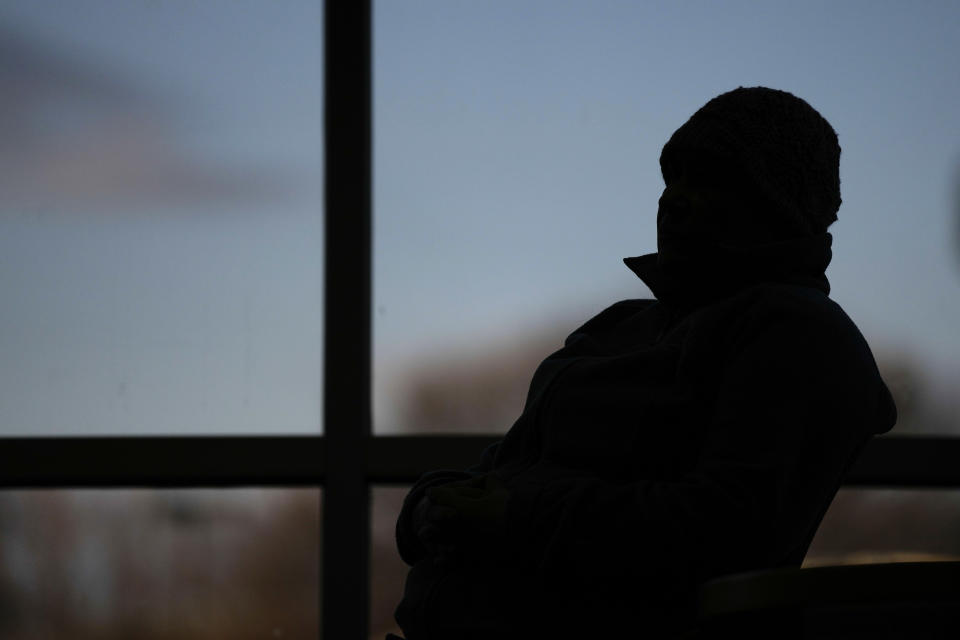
(723, 270)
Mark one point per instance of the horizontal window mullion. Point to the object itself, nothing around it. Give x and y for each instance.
(908, 461)
(162, 461)
(183, 461)
(891, 461)
(402, 459)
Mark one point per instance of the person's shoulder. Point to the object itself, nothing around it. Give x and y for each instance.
(615, 313)
(801, 310)
(622, 309)
(631, 305)
(803, 329)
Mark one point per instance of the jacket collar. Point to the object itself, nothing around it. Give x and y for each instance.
(726, 270)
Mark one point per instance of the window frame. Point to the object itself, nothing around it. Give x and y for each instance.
(347, 460)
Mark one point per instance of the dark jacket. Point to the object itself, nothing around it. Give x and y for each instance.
(669, 441)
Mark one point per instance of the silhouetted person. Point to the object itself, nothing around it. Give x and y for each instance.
(671, 440)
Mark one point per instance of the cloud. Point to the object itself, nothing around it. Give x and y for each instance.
(81, 137)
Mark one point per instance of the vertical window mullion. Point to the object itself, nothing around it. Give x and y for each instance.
(347, 141)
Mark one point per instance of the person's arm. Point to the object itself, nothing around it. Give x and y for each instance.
(795, 400)
(416, 505)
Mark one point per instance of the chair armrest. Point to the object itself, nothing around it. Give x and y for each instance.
(794, 588)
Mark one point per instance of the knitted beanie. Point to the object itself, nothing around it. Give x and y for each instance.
(783, 145)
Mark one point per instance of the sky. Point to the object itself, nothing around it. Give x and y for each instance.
(161, 217)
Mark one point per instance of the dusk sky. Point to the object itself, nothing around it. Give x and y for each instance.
(161, 199)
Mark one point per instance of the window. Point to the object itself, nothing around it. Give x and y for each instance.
(346, 460)
(160, 563)
(161, 224)
(516, 163)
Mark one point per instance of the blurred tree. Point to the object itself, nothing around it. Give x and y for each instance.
(479, 389)
(906, 384)
(956, 208)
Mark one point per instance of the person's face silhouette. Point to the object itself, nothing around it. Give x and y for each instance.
(706, 203)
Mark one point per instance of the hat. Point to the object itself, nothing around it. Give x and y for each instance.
(786, 149)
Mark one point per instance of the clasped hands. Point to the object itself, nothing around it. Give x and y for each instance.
(462, 511)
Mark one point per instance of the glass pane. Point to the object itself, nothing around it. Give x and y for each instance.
(516, 163)
(105, 564)
(888, 525)
(160, 217)
(387, 570)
